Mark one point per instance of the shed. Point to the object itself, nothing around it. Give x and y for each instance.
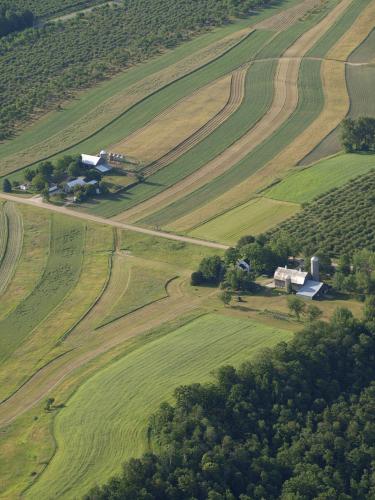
(311, 290)
(103, 169)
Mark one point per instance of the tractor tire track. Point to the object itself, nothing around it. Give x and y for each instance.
(237, 93)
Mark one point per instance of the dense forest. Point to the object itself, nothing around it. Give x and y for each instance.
(48, 8)
(340, 222)
(40, 66)
(12, 20)
(296, 424)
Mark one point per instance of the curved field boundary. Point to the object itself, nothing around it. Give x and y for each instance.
(337, 96)
(286, 19)
(176, 123)
(59, 277)
(237, 93)
(3, 232)
(141, 380)
(115, 107)
(13, 245)
(365, 53)
(284, 103)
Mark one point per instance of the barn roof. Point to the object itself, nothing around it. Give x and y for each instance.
(296, 277)
(310, 289)
(91, 160)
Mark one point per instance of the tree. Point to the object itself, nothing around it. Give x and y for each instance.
(38, 182)
(238, 279)
(29, 174)
(369, 308)
(49, 404)
(358, 135)
(45, 169)
(73, 169)
(225, 297)
(196, 278)
(104, 189)
(313, 312)
(212, 269)
(7, 186)
(231, 256)
(344, 264)
(45, 194)
(245, 240)
(296, 306)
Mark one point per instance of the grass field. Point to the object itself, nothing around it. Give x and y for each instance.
(366, 51)
(177, 123)
(36, 225)
(305, 185)
(3, 232)
(309, 105)
(60, 275)
(145, 283)
(339, 29)
(128, 391)
(254, 217)
(12, 232)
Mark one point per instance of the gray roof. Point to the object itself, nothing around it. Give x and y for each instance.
(310, 289)
(296, 277)
(103, 168)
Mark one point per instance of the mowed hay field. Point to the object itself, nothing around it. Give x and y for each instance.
(11, 233)
(304, 185)
(128, 391)
(254, 217)
(177, 123)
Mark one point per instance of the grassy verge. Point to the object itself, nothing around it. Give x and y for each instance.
(129, 390)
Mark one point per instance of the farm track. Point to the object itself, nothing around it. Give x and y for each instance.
(36, 202)
(237, 93)
(13, 245)
(3, 232)
(101, 341)
(284, 103)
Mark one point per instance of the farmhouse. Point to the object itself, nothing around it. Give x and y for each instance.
(306, 285)
(71, 185)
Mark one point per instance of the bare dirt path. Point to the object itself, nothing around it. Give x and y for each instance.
(37, 202)
(284, 103)
(237, 93)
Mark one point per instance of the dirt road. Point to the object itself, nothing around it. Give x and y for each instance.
(37, 202)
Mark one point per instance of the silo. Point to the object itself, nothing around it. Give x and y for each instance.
(315, 268)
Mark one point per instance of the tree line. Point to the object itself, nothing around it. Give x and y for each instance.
(297, 423)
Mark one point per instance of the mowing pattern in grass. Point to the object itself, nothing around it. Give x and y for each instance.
(61, 273)
(127, 392)
(321, 48)
(36, 234)
(311, 182)
(258, 96)
(14, 235)
(254, 217)
(144, 285)
(366, 51)
(3, 232)
(309, 106)
(342, 221)
(360, 83)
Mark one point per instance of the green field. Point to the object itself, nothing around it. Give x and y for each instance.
(309, 106)
(338, 29)
(125, 394)
(308, 183)
(366, 51)
(3, 232)
(11, 247)
(60, 275)
(146, 283)
(254, 217)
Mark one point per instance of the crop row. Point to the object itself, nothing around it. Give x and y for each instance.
(342, 221)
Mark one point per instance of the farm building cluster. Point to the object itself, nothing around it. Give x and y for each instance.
(305, 284)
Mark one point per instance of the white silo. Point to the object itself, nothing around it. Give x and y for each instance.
(315, 268)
